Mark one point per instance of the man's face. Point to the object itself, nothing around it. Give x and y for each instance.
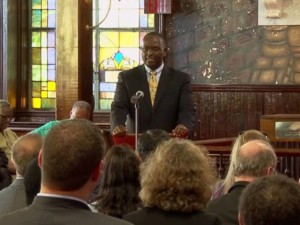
(6, 115)
(153, 51)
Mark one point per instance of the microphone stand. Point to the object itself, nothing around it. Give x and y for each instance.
(135, 101)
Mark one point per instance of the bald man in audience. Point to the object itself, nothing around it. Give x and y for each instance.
(256, 158)
(80, 110)
(24, 150)
(272, 200)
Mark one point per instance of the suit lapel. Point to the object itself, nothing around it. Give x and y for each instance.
(164, 82)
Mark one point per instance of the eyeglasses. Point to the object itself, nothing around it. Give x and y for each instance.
(153, 49)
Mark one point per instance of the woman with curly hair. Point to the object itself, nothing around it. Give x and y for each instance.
(223, 186)
(119, 185)
(176, 183)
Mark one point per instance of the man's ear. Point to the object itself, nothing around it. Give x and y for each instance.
(271, 171)
(40, 158)
(240, 218)
(97, 171)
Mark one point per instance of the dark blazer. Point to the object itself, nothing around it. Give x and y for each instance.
(155, 216)
(173, 102)
(52, 210)
(12, 197)
(226, 206)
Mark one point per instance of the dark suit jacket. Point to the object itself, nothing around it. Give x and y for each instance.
(58, 211)
(155, 216)
(173, 102)
(226, 206)
(12, 197)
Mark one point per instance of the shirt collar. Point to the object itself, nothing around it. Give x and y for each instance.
(158, 70)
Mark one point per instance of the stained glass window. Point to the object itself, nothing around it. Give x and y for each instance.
(122, 25)
(43, 54)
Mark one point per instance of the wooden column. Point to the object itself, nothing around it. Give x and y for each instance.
(73, 54)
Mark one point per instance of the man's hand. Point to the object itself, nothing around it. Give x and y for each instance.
(181, 131)
(119, 130)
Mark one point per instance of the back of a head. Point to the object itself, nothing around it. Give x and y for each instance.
(270, 200)
(254, 159)
(119, 184)
(71, 152)
(24, 150)
(149, 140)
(178, 176)
(81, 110)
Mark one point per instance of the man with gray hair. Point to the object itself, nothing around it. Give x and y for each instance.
(270, 200)
(256, 158)
(24, 150)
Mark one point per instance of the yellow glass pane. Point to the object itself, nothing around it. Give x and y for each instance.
(36, 89)
(44, 94)
(129, 39)
(44, 86)
(44, 56)
(36, 103)
(106, 53)
(51, 86)
(44, 4)
(151, 20)
(109, 39)
(44, 39)
(52, 94)
(44, 18)
(36, 56)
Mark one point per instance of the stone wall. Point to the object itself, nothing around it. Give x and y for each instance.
(220, 42)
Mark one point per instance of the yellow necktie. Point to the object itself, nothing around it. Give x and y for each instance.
(152, 86)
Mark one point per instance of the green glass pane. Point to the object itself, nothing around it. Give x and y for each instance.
(36, 73)
(36, 89)
(36, 18)
(45, 74)
(48, 103)
(105, 104)
(36, 39)
(36, 4)
(36, 56)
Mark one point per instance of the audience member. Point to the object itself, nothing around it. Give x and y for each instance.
(223, 186)
(176, 183)
(255, 158)
(149, 140)
(71, 162)
(272, 200)
(7, 136)
(120, 185)
(5, 176)
(80, 110)
(24, 150)
(32, 180)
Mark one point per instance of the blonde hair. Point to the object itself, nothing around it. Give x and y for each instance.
(240, 140)
(178, 176)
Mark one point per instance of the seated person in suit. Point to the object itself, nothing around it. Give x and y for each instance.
(7, 136)
(176, 183)
(223, 186)
(80, 110)
(272, 200)
(24, 150)
(120, 184)
(32, 180)
(71, 164)
(168, 101)
(256, 158)
(149, 140)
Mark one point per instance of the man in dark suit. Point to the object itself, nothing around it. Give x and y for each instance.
(172, 108)
(255, 159)
(25, 149)
(71, 163)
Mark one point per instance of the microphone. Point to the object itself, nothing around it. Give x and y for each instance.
(137, 96)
